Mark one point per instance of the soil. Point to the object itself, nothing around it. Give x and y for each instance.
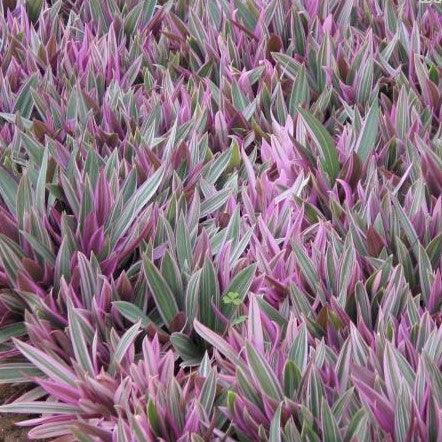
(9, 432)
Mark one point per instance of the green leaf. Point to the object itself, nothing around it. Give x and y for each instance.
(341, 404)
(187, 349)
(402, 415)
(49, 365)
(343, 18)
(292, 379)
(132, 313)
(172, 274)
(366, 141)
(163, 296)
(10, 257)
(309, 272)
(218, 342)
(209, 295)
(357, 424)
(343, 364)
(34, 148)
(17, 372)
(345, 273)
(299, 300)
(12, 331)
(240, 247)
(25, 199)
(308, 433)
(132, 19)
(402, 115)
(300, 93)
(97, 12)
(235, 155)
(63, 261)
(231, 298)
(17, 119)
(330, 431)
(298, 32)
(408, 228)
(271, 312)
(88, 279)
(148, 10)
(434, 250)
(215, 202)
(183, 245)
(289, 65)
(152, 415)
(70, 195)
(240, 285)
(135, 205)
(425, 273)
(298, 351)
(239, 320)
(192, 296)
(239, 100)
(40, 191)
(8, 190)
(25, 103)
(39, 248)
(78, 340)
(208, 392)
(324, 142)
(248, 13)
(434, 377)
(263, 373)
(315, 393)
(123, 345)
(365, 83)
(217, 166)
(35, 407)
(275, 426)
(230, 400)
(247, 388)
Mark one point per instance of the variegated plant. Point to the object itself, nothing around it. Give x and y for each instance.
(221, 220)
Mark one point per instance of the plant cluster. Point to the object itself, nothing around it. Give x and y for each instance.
(221, 220)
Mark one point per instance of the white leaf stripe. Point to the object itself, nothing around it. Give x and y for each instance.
(47, 364)
(263, 373)
(17, 372)
(36, 407)
(79, 342)
(123, 345)
(163, 296)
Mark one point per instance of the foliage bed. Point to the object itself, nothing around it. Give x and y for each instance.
(221, 220)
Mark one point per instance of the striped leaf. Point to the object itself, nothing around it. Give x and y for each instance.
(330, 431)
(132, 313)
(48, 364)
(36, 407)
(366, 141)
(275, 426)
(324, 142)
(209, 296)
(163, 296)
(78, 340)
(240, 284)
(8, 190)
(17, 372)
(12, 331)
(263, 374)
(217, 342)
(123, 346)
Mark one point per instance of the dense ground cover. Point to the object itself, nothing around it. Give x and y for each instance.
(221, 219)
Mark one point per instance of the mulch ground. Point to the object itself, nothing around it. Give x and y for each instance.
(9, 432)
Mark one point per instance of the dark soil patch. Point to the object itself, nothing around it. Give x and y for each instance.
(9, 432)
